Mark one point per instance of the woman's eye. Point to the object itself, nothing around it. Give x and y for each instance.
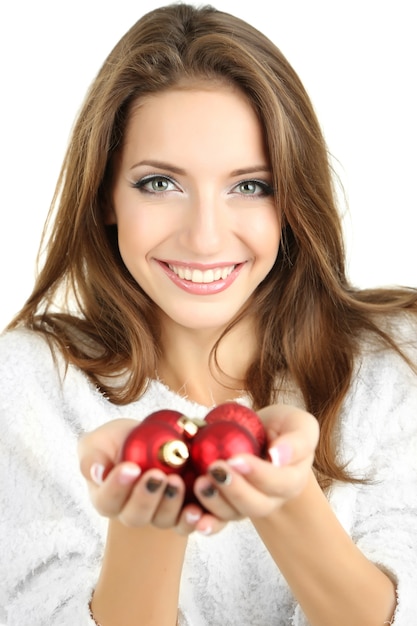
(254, 188)
(155, 184)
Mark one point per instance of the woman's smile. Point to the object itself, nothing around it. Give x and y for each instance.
(201, 280)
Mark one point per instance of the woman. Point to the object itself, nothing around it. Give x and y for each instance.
(196, 257)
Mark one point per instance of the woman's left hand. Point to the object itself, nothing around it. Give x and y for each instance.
(248, 486)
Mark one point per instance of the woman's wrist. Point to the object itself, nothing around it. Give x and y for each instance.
(141, 566)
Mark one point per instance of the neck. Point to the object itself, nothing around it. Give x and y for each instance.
(188, 369)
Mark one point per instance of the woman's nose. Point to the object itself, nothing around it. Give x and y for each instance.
(205, 226)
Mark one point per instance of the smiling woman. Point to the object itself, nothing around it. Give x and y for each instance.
(195, 256)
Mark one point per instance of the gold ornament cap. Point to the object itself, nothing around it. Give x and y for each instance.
(174, 453)
(190, 425)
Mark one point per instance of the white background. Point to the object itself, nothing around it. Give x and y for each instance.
(357, 59)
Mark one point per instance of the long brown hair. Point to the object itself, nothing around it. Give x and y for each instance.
(310, 317)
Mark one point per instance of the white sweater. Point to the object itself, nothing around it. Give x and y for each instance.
(51, 538)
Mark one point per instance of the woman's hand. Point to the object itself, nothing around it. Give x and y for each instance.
(247, 486)
(119, 490)
(244, 486)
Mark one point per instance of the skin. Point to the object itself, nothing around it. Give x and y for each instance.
(210, 214)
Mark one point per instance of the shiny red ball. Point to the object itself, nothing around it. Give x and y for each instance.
(184, 425)
(167, 416)
(220, 440)
(240, 414)
(155, 444)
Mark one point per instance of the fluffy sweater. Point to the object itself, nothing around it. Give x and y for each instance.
(52, 539)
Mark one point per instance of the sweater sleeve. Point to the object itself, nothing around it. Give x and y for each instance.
(384, 432)
(378, 443)
(50, 537)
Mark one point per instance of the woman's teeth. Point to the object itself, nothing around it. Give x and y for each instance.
(202, 276)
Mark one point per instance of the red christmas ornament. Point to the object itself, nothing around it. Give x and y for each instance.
(220, 440)
(156, 444)
(175, 443)
(186, 426)
(235, 412)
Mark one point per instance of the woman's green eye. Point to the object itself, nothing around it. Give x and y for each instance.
(254, 188)
(154, 184)
(249, 187)
(159, 184)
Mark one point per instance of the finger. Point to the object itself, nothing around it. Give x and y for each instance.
(209, 525)
(189, 516)
(281, 420)
(292, 448)
(261, 487)
(213, 498)
(279, 482)
(142, 500)
(95, 467)
(170, 503)
(292, 434)
(270, 475)
(99, 450)
(111, 495)
(234, 496)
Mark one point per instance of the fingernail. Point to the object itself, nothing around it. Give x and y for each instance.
(206, 531)
(170, 491)
(129, 473)
(221, 476)
(240, 465)
(153, 484)
(97, 472)
(192, 518)
(280, 455)
(209, 491)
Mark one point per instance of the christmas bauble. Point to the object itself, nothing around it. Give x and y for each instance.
(183, 424)
(156, 444)
(176, 443)
(235, 412)
(220, 440)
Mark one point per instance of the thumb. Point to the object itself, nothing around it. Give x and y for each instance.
(95, 467)
(99, 450)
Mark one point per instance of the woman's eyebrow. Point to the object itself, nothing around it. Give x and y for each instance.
(162, 165)
(251, 170)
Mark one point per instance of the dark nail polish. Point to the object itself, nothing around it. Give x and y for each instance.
(170, 491)
(220, 476)
(209, 491)
(153, 484)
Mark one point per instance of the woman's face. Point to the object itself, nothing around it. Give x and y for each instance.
(193, 204)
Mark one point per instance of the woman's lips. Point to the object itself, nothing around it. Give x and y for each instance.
(202, 280)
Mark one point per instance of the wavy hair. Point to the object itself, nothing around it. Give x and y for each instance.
(309, 317)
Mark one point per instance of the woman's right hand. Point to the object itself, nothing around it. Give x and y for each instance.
(119, 490)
